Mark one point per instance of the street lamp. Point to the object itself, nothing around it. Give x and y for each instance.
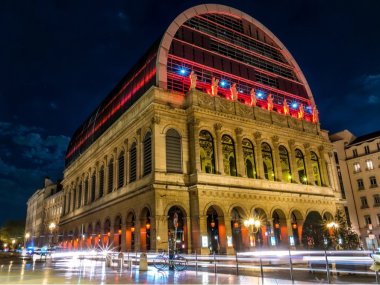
(52, 226)
(253, 225)
(13, 244)
(27, 236)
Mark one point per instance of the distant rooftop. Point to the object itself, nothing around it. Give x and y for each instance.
(367, 137)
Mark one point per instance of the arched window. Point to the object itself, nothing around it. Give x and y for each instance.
(206, 144)
(229, 157)
(132, 163)
(80, 194)
(74, 198)
(69, 202)
(101, 181)
(86, 191)
(249, 159)
(267, 161)
(93, 186)
(285, 164)
(110, 175)
(120, 181)
(147, 153)
(173, 152)
(316, 169)
(300, 161)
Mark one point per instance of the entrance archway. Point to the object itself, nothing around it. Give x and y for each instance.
(263, 234)
(145, 225)
(216, 230)
(117, 233)
(238, 230)
(89, 236)
(177, 228)
(296, 221)
(130, 235)
(107, 233)
(98, 233)
(280, 230)
(314, 233)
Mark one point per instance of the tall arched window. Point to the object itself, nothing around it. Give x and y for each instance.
(110, 175)
(300, 161)
(79, 194)
(316, 169)
(101, 181)
(173, 152)
(74, 198)
(285, 164)
(206, 144)
(132, 163)
(86, 191)
(147, 153)
(120, 181)
(93, 186)
(267, 161)
(229, 157)
(249, 159)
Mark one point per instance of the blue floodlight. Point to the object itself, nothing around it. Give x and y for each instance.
(223, 83)
(183, 71)
(294, 105)
(260, 94)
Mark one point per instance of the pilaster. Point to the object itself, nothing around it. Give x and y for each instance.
(219, 151)
(259, 156)
(239, 153)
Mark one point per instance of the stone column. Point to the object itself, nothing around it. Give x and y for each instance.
(322, 166)
(309, 168)
(195, 160)
(276, 158)
(158, 146)
(239, 153)
(115, 169)
(218, 147)
(259, 156)
(203, 232)
(123, 234)
(227, 223)
(106, 162)
(293, 164)
(97, 180)
(188, 237)
(137, 234)
(290, 231)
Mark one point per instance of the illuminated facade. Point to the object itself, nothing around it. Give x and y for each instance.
(358, 163)
(43, 209)
(214, 125)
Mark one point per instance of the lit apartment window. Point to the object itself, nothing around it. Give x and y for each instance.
(369, 164)
(364, 202)
(366, 149)
(355, 152)
(360, 184)
(367, 220)
(376, 200)
(357, 167)
(373, 181)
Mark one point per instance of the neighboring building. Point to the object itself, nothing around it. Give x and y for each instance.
(359, 169)
(44, 210)
(154, 160)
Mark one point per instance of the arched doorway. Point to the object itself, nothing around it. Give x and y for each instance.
(76, 239)
(263, 234)
(237, 229)
(177, 228)
(107, 233)
(216, 230)
(98, 233)
(296, 221)
(145, 225)
(117, 233)
(89, 236)
(280, 230)
(130, 235)
(314, 233)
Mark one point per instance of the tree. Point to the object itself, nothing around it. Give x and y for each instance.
(12, 230)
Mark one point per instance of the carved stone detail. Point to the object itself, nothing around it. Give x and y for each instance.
(206, 101)
(244, 110)
(262, 115)
(275, 139)
(306, 145)
(257, 135)
(321, 148)
(218, 126)
(138, 132)
(239, 131)
(292, 143)
(224, 106)
(156, 120)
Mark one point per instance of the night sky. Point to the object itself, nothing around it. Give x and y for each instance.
(59, 59)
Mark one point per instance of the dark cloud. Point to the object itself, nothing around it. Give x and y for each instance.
(28, 155)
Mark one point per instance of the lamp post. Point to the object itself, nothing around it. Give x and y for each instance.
(253, 225)
(13, 244)
(52, 227)
(333, 226)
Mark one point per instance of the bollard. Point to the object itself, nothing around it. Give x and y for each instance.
(291, 266)
(121, 259)
(143, 262)
(237, 265)
(108, 260)
(327, 268)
